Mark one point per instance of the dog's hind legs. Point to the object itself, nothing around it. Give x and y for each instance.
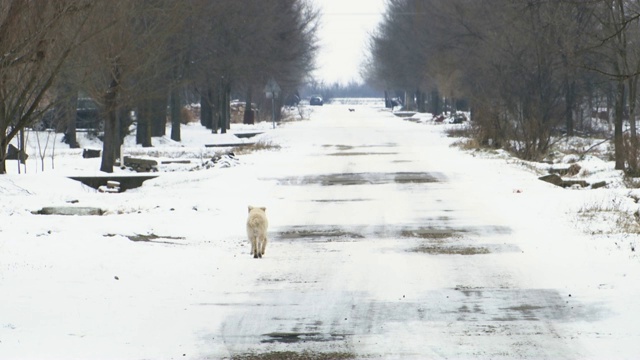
(254, 248)
(263, 246)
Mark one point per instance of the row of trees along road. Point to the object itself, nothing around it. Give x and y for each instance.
(147, 56)
(529, 68)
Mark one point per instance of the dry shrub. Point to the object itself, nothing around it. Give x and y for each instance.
(237, 115)
(189, 114)
(631, 182)
(461, 131)
(261, 145)
(467, 139)
(289, 116)
(466, 144)
(237, 112)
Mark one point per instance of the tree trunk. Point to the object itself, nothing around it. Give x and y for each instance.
(175, 113)
(435, 102)
(611, 108)
(21, 147)
(110, 131)
(122, 125)
(632, 154)
(570, 90)
(227, 105)
(410, 100)
(159, 116)
(618, 140)
(3, 152)
(141, 121)
(421, 96)
(221, 108)
(206, 112)
(279, 104)
(143, 131)
(68, 118)
(248, 117)
(214, 96)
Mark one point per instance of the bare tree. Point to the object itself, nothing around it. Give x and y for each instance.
(615, 42)
(242, 44)
(126, 62)
(36, 39)
(520, 63)
(139, 54)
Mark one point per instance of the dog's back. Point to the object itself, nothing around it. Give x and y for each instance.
(257, 222)
(257, 225)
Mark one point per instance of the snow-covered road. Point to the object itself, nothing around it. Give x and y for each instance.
(385, 242)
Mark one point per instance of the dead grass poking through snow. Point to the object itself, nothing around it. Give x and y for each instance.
(262, 145)
(609, 217)
(466, 144)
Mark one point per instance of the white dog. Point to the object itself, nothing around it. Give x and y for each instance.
(257, 230)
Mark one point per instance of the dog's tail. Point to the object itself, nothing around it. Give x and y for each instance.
(256, 225)
(255, 222)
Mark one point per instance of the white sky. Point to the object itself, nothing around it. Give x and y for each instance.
(344, 30)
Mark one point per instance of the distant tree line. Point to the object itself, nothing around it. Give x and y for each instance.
(147, 56)
(529, 69)
(352, 89)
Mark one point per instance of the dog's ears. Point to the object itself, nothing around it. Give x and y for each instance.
(250, 208)
(263, 208)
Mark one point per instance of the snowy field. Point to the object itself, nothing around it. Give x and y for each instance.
(532, 271)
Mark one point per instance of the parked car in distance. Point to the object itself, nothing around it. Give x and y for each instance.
(316, 101)
(87, 114)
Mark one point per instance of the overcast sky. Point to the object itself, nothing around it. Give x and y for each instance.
(344, 30)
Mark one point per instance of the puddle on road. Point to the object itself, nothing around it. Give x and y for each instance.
(349, 150)
(318, 233)
(487, 305)
(467, 311)
(429, 233)
(429, 240)
(151, 238)
(456, 241)
(356, 153)
(386, 231)
(291, 355)
(339, 200)
(342, 147)
(527, 312)
(415, 178)
(295, 337)
(367, 178)
(510, 305)
(452, 250)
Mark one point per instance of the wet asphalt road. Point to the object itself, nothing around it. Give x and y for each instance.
(382, 248)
